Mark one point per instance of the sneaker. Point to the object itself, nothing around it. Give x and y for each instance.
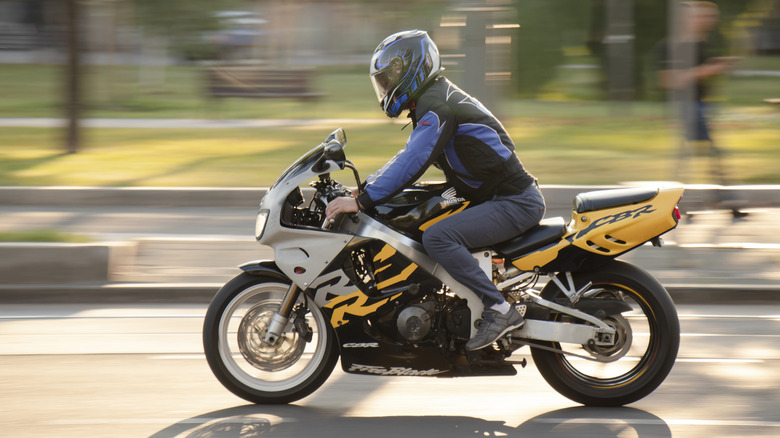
(494, 325)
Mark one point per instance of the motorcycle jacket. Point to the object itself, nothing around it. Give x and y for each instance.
(457, 134)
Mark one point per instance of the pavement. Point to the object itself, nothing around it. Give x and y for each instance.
(181, 244)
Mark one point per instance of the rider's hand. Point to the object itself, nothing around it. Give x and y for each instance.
(340, 205)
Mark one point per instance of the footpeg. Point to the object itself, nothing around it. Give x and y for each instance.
(522, 363)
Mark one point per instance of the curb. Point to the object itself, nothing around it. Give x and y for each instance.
(27, 262)
(132, 196)
(119, 293)
(98, 288)
(724, 294)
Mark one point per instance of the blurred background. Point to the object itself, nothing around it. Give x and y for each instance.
(118, 92)
(144, 101)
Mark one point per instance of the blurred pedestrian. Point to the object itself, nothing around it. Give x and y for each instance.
(687, 68)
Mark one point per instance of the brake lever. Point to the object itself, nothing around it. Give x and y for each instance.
(334, 223)
(327, 224)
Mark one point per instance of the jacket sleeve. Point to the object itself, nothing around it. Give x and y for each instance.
(425, 143)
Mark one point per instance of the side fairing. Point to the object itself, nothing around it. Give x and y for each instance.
(364, 316)
(374, 274)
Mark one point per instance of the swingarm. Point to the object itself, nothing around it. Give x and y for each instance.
(597, 333)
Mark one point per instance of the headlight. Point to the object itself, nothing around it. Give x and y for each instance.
(262, 218)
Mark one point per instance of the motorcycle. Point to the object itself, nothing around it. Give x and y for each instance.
(601, 331)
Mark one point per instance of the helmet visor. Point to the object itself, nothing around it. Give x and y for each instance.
(384, 83)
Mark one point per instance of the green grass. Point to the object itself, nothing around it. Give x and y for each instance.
(566, 137)
(178, 92)
(117, 92)
(42, 236)
(588, 149)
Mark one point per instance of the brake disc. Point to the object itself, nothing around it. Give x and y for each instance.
(279, 356)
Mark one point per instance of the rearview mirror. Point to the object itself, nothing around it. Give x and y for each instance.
(339, 136)
(335, 152)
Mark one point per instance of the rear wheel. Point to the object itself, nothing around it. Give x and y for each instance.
(234, 327)
(646, 341)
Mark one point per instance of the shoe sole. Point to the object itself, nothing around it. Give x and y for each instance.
(500, 335)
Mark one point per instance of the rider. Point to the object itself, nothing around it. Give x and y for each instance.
(457, 134)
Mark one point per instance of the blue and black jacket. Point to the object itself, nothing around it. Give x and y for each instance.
(457, 134)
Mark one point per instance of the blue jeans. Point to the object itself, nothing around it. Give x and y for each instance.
(494, 221)
(695, 120)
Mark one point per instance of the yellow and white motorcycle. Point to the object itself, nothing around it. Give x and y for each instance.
(602, 332)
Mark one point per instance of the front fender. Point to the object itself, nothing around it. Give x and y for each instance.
(266, 268)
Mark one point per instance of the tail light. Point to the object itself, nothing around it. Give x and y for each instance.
(676, 212)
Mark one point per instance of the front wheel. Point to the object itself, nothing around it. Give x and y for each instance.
(235, 324)
(646, 340)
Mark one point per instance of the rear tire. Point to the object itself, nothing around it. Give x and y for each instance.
(235, 324)
(622, 375)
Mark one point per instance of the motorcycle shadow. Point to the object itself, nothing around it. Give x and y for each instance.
(295, 421)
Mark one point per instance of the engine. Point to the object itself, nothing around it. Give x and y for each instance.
(422, 320)
(414, 322)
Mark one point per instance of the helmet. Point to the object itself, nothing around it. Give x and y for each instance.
(401, 67)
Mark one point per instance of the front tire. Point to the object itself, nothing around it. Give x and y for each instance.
(648, 338)
(235, 324)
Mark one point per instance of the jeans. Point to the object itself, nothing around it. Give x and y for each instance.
(695, 120)
(494, 221)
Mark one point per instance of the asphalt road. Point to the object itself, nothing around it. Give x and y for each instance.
(133, 371)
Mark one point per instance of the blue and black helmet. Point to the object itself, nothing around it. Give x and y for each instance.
(402, 66)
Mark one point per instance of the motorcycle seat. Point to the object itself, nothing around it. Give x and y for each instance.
(601, 199)
(546, 232)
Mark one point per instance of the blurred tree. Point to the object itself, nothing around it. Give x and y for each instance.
(183, 22)
(649, 27)
(545, 22)
(651, 19)
(73, 77)
(539, 48)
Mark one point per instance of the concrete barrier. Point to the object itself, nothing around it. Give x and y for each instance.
(58, 263)
(132, 196)
(66, 271)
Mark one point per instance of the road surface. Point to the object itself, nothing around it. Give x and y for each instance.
(138, 371)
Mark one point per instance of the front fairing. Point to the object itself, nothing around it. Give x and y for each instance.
(328, 156)
(301, 253)
(302, 167)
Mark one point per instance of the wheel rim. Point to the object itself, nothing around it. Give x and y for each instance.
(637, 345)
(256, 365)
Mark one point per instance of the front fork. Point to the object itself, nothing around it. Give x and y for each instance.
(282, 317)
